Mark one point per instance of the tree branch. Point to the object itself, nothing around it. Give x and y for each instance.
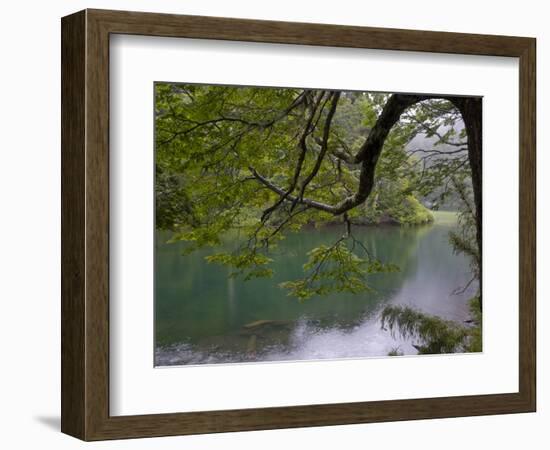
(324, 146)
(288, 197)
(308, 129)
(367, 155)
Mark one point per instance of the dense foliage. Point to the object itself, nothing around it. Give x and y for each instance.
(270, 161)
(433, 334)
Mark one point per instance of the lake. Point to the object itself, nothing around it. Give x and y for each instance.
(202, 316)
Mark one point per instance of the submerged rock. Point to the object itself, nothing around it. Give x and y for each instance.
(266, 323)
(259, 323)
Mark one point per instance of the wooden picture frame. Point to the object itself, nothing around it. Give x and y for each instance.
(85, 224)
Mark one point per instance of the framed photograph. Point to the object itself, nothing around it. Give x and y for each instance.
(273, 225)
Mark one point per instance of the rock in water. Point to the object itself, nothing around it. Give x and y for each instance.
(258, 323)
(268, 323)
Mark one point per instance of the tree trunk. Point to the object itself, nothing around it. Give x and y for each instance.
(470, 109)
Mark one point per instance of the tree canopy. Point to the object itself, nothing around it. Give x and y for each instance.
(270, 161)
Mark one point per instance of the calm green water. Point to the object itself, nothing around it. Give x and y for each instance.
(201, 315)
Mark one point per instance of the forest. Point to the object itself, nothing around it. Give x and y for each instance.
(246, 175)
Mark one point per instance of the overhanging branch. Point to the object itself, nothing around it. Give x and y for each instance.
(289, 197)
(367, 155)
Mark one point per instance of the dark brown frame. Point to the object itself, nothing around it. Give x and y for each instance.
(85, 224)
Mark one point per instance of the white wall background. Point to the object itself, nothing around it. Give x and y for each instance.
(30, 222)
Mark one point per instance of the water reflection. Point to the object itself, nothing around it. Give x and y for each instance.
(202, 316)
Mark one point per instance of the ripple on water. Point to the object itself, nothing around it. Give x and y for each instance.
(304, 341)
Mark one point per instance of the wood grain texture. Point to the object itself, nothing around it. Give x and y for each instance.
(85, 224)
(527, 224)
(73, 109)
(266, 31)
